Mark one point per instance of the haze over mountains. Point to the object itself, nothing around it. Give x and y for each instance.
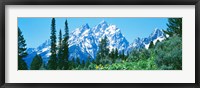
(84, 41)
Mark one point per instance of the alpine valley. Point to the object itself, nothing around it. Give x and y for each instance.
(84, 41)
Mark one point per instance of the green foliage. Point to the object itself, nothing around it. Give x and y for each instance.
(169, 53)
(21, 45)
(98, 58)
(52, 63)
(60, 38)
(22, 64)
(156, 43)
(78, 62)
(43, 67)
(144, 54)
(21, 51)
(115, 55)
(60, 53)
(82, 64)
(36, 63)
(151, 45)
(134, 55)
(103, 51)
(138, 54)
(87, 62)
(65, 47)
(105, 60)
(112, 55)
(122, 55)
(174, 27)
(144, 64)
(71, 64)
(91, 66)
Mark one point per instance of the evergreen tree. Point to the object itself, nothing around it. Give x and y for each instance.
(60, 60)
(65, 46)
(122, 55)
(116, 54)
(21, 51)
(73, 62)
(83, 64)
(103, 50)
(70, 65)
(98, 58)
(43, 67)
(157, 43)
(151, 45)
(78, 61)
(112, 54)
(52, 63)
(88, 61)
(174, 27)
(36, 63)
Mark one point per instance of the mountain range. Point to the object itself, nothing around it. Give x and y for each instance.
(84, 41)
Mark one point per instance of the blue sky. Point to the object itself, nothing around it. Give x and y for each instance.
(37, 30)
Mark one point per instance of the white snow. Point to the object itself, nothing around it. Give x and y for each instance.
(77, 31)
(48, 54)
(147, 46)
(85, 33)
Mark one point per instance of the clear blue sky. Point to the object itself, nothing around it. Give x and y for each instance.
(37, 30)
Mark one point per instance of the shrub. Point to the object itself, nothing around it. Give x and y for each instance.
(169, 53)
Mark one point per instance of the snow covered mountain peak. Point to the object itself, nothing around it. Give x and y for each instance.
(112, 29)
(103, 22)
(156, 33)
(45, 44)
(101, 26)
(81, 31)
(84, 42)
(86, 26)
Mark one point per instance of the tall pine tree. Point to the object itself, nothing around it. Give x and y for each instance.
(60, 53)
(78, 62)
(88, 61)
(21, 51)
(116, 55)
(122, 56)
(52, 63)
(103, 50)
(174, 27)
(112, 54)
(66, 46)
